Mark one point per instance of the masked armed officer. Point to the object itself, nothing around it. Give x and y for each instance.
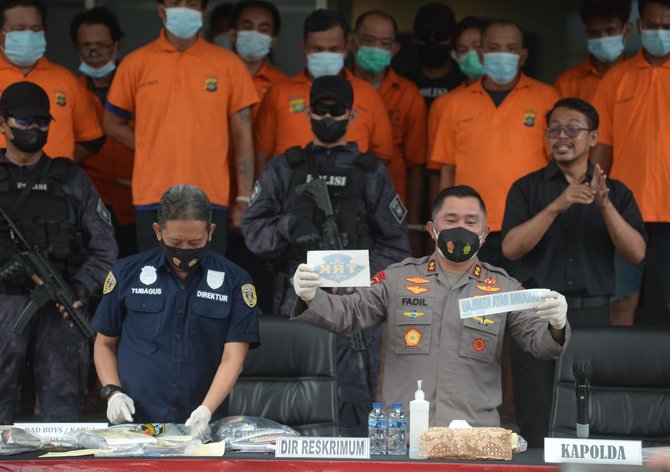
(54, 204)
(283, 222)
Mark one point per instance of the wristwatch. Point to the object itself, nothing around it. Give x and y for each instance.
(108, 389)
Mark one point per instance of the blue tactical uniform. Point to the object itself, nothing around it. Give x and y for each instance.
(62, 213)
(369, 215)
(173, 331)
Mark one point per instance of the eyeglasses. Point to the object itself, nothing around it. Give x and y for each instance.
(335, 110)
(572, 131)
(41, 121)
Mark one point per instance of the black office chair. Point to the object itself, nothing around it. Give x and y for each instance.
(291, 378)
(630, 384)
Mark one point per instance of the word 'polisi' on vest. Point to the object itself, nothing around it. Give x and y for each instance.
(330, 180)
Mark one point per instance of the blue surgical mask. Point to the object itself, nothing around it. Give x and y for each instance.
(252, 45)
(325, 63)
(501, 67)
(183, 22)
(656, 41)
(25, 48)
(606, 49)
(98, 73)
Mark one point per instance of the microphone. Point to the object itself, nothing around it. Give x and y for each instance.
(582, 373)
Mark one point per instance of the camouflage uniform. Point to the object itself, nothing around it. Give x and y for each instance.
(266, 227)
(425, 339)
(60, 353)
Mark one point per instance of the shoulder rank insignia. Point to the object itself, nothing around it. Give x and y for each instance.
(477, 271)
(110, 283)
(412, 337)
(416, 289)
(249, 295)
(431, 266)
(417, 280)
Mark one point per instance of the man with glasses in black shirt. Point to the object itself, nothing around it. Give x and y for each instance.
(563, 223)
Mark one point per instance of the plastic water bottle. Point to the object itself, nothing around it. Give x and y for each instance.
(377, 429)
(397, 434)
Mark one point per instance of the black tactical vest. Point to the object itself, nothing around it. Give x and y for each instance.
(39, 205)
(346, 188)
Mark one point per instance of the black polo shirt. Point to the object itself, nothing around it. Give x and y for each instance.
(576, 254)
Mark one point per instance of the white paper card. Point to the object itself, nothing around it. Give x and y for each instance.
(315, 447)
(341, 268)
(500, 302)
(592, 451)
(59, 434)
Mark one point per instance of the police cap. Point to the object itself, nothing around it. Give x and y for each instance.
(25, 100)
(335, 87)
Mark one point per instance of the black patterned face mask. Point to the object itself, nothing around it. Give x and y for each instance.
(458, 244)
(183, 259)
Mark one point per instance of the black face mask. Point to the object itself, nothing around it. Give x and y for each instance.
(183, 259)
(29, 140)
(329, 130)
(433, 55)
(458, 244)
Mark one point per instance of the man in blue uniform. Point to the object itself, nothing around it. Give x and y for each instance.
(284, 221)
(175, 322)
(55, 205)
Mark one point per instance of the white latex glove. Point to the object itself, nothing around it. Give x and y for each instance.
(553, 309)
(199, 422)
(305, 282)
(120, 408)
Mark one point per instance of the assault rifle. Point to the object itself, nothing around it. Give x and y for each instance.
(49, 285)
(317, 191)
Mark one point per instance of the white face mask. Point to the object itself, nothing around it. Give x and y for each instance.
(325, 63)
(183, 22)
(501, 67)
(606, 49)
(252, 45)
(656, 41)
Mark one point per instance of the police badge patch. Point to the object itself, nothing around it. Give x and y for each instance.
(215, 279)
(104, 213)
(398, 210)
(110, 283)
(249, 295)
(148, 275)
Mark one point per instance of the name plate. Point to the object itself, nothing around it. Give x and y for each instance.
(500, 302)
(592, 451)
(323, 448)
(59, 434)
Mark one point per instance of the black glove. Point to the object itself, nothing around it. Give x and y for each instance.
(303, 232)
(83, 294)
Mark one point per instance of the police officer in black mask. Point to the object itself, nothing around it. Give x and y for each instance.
(433, 37)
(54, 204)
(284, 221)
